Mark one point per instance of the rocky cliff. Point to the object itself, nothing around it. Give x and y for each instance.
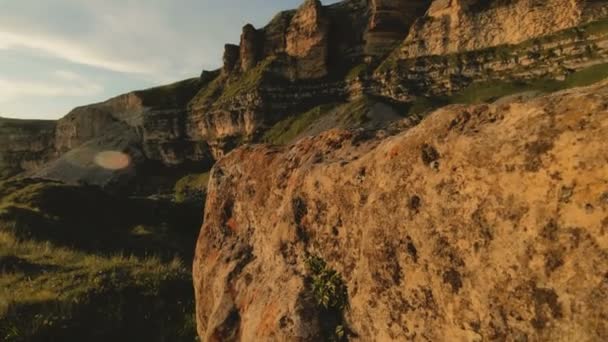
(24, 145)
(407, 56)
(483, 222)
(464, 25)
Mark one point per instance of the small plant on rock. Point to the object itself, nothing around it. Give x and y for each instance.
(331, 294)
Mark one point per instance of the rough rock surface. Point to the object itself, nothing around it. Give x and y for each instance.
(389, 23)
(485, 222)
(230, 58)
(465, 25)
(250, 47)
(307, 39)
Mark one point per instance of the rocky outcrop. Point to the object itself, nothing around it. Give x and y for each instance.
(389, 23)
(157, 115)
(230, 58)
(547, 59)
(466, 25)
(481, 223)
(307, 40)
(250, 48)
(24, 145)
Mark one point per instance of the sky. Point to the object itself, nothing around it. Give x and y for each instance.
(59, 54)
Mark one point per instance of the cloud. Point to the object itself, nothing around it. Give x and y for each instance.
(70, 51)
(11, 89)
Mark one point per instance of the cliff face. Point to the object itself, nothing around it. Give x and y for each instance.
(397, 52)
(481, 223)
(464, 25)
(389, 23)
(24, 145)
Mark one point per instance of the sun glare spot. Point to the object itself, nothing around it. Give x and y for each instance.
(112, 160)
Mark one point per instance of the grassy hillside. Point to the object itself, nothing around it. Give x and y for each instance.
(77, 264)
(489, 91)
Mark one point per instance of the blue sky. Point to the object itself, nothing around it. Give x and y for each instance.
(58, 54)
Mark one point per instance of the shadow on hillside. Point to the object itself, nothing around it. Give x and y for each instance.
(87, 219)
(127, 314)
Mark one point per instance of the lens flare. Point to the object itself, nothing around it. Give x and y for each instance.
(112, 160)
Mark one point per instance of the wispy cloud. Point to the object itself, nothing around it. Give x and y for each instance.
(122, 45)
(70, 51)
(66, 83)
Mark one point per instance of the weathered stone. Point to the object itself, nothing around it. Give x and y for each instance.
(231, 57)
(250, 47)
(466, 25)
(390, 21)
(480, 248)
(307, 39)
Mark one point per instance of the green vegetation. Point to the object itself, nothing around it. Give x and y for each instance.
(12, 126)
(223, 88)
(489, 91)
(358, 71)
(328, 287)
(288, 129)
(422, 105)
(50, 293)
(78, 264)
(347, 114)
(172, 95)
(210, 91)
(331, 294)
(192, 187)
(247, 82)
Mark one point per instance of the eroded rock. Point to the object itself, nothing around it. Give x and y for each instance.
(306, 40)
(482, 248)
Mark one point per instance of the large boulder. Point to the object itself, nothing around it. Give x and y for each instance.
(484, 222)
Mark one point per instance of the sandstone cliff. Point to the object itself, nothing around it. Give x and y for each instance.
(464, 25)
(483, 222)
(290, 75)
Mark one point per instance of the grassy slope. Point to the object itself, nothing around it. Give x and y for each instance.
(489, 91)
(77, 264)
(191, 187)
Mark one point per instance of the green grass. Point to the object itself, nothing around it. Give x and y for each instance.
(489, 91)
(51, 293)
(87, 219)
(249, 81)
(223, 89)
(78, 264)
(12, 126)
(288, 129)
(191, 187)
(171, 95)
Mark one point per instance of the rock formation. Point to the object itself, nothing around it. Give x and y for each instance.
(465, 25)
(483, 222)
(307, 39)
(231, 57)
(389, 23)
(336, 55)
(24, 145)
(250, 48)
